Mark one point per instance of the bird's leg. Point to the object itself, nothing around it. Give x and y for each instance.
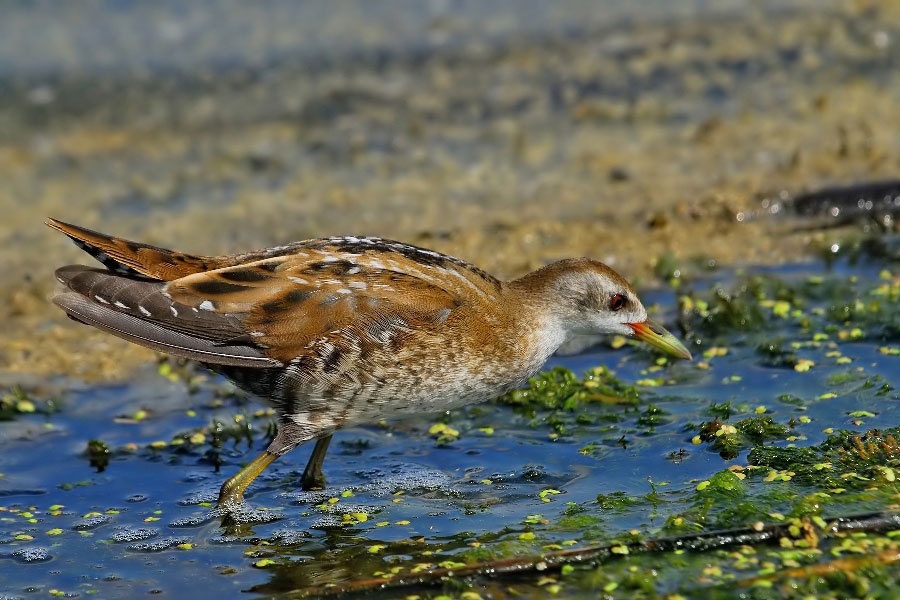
(289, 436)
(232, 492)
(313, 478)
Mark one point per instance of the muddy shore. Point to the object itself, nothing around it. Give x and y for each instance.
(633, 141)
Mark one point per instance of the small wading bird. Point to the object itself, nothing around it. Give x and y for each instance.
(347, 330)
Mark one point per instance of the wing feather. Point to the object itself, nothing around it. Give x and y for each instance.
(268, 307)
(138, 311)
(288, 303)
(158, 337)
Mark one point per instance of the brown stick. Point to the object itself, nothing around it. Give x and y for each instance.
(553, 561)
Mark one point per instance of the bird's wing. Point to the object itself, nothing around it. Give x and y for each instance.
(136, 309)
(264, 308)
(289, 304)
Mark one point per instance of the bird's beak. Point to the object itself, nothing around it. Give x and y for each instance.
(657, 336)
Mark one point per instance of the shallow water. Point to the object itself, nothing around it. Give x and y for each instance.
(399, 497)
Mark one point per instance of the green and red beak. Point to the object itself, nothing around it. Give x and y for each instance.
(657, 336)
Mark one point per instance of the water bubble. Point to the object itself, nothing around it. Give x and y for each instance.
(33, 554)
(195, 521)
(245, 513)
(403, 476)
(91, 522)
(303, 497)
(291, 536)
(134, 535)
(206, 494)
(159, 545)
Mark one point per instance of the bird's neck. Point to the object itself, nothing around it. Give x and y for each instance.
(538, 294)
(534, 307)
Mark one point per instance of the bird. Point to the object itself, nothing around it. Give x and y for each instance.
(346, 330)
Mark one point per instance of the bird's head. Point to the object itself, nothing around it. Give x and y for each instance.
(589, 298)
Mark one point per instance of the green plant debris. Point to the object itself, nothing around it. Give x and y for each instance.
(844, 308)
(568, 463)
(559, 388)
(567, 403)
(728, 440)
(846, 460)
(183, 371)
(17, 401)
(98, 454)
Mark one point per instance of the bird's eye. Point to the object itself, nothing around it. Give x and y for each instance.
(617, 302)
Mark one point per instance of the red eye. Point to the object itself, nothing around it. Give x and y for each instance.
(617, 302)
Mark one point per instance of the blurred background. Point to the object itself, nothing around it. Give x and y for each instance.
(509, 134)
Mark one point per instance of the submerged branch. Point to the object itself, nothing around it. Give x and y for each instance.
(596, 555)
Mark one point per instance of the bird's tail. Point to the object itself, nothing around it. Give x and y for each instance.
(133, 258)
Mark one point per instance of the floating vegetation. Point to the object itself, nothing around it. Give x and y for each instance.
(728, 440)
(17, 401)
(816, 312)
(98, 454)
(565, 402)
(559, 388)
(771, 462)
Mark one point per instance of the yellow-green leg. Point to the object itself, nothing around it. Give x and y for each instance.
(313, 478)
(232, 492)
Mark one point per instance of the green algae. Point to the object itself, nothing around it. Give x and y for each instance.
(561, 389)
(98, 453)
(845, 461)
(17, 401)
(558, 398)
(822, 310)
(792, 402)
(729, 440)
